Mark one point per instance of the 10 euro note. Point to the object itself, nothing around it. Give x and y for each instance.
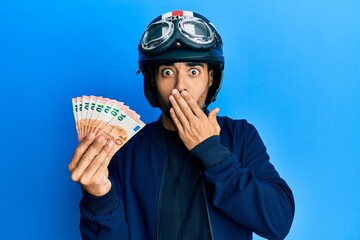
(108, 117)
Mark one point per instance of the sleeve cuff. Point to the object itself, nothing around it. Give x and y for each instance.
(100, 205)
(210, 152)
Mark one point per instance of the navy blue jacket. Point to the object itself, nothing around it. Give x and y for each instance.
(244, 192)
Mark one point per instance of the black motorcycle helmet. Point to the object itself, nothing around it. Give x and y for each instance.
(180, 36)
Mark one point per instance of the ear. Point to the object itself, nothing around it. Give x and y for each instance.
(154, 73)
(211, 77)
(152, 82)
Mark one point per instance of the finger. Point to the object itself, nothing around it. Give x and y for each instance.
(80, 150)
(100, 179)
(88, 156)
(188, 106)
(176, 120)
(193, 105)
(212, 114)
(101, 176)
(213, 120)
(110, 155)
(178, 111)
(102, 171)
(97, 163)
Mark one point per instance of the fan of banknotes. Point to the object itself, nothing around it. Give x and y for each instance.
(111, 118)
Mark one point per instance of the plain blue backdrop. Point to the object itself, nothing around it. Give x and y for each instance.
(292, 69)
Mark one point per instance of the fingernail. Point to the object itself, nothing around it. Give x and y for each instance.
(174, 91)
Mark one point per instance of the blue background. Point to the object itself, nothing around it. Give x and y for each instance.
(292, 69)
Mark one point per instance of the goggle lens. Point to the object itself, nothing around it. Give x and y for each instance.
(156, 34)
(194, 29)
(197, 31)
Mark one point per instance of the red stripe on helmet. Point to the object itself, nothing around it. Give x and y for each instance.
(177, 13)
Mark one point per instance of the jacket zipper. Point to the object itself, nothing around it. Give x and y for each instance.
(160, 199)
(206, 205)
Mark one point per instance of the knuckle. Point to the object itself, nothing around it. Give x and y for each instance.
(99, 161)
(98, 181)
(85, 156)
(77, 151)
(74, 177)
(108, 147)
(84, 181)
(100, 141)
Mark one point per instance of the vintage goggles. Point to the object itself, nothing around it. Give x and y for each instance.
(190, 31)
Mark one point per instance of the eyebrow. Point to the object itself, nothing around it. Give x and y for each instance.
(188, 64)
(194, 64)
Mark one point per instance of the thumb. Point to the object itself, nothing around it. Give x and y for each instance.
(212, 116)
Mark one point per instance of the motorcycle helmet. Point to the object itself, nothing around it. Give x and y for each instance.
(180, 36)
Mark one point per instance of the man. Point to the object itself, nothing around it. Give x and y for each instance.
(191, 174)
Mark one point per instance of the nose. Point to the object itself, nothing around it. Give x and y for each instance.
(181, 81)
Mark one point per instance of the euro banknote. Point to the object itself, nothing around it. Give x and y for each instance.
(108, 117)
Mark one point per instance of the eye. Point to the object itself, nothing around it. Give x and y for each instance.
(194, 72)
(167, 72)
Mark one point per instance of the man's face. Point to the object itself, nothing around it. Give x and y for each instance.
(195, 77)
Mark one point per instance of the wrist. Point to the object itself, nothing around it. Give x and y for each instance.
(98, 191)
(100, 204)
(210, 152)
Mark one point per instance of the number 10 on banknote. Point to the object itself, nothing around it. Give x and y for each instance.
(111, 118)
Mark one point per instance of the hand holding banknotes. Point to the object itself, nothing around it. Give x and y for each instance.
(103, 125)
(89, 164)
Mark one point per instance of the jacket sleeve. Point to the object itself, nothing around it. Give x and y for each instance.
(103, 217)
(247, 188)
